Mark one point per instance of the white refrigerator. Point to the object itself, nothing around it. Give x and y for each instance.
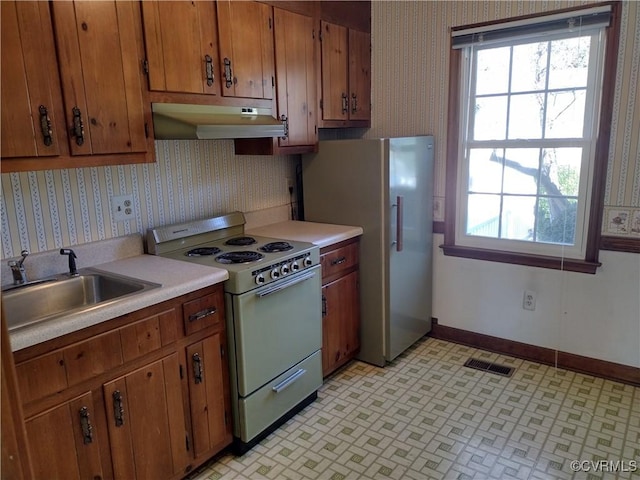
(385, 186)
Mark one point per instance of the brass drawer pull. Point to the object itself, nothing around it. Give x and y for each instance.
(203, 314)
(118, 408)
(85, 425)
(208, 63)
(197, 368)
(338, 261)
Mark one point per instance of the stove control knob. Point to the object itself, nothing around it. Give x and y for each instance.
(284, 269)
(308, 262)
(294, 266)
(275, 273)
(259, 279)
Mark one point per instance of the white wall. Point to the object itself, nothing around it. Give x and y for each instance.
(597, 316)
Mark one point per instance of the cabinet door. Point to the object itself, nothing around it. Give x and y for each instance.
(146, 422)
(30, 124)
(359, 75)
(295, 76)
(246, 49)
(335, 63)
(341, 322)
(100, 53)
(182, 46)
(63, 442)
(210, 419)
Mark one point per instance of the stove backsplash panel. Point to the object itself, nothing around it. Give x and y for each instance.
(50, 209)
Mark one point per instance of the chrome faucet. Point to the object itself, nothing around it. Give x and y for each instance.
(17, 269)
(73, 271)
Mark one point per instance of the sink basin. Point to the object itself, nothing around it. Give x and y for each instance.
(91, 289)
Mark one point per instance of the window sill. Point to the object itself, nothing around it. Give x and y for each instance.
(541, 261)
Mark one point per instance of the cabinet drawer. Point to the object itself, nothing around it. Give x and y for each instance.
(92, 357)
(203, 312)
(338, 260)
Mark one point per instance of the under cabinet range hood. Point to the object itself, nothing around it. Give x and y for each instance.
(174, 121)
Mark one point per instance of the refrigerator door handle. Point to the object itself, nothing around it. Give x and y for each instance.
(399, 222)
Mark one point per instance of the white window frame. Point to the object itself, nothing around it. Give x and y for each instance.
(587, 143)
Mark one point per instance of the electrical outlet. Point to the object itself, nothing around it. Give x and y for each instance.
(122, 208)
(529, 300)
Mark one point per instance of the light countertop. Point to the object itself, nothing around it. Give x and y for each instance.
(321, 234)
(176, 278)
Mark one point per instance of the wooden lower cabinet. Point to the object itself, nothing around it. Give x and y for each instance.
(208, 395)
(63, 441)
(146, 423)
(340, 305)
(155, 407)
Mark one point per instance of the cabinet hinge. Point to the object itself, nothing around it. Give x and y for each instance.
(146, 130)
(269, 24)
(321, 106)
(273, 81)
(313, 34)
(221, 351)
(315, 129)
(186, 441)
(181, 373)
(145, 66)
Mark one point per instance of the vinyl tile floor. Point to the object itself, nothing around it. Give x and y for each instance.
(427, 416)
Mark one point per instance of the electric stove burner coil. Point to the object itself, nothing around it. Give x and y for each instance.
(203, 252)
(276, 247)
(240, 241)
(239, 257)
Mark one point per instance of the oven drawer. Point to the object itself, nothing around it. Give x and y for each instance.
(269, 403)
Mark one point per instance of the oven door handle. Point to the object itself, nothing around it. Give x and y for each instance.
(286, 284)
(288, 381)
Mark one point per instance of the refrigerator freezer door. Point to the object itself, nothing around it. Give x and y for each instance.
(410, 251)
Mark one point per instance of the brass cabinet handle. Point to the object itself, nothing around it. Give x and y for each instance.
(45, 126)
(118, 408)
(203, 314)
(338, 261)
(285, 121)
(354, 103)
(208, 64)
(85, 425)
(324, 306)
(345, 103)
(197, 368)
(78, 126)
(228, 74)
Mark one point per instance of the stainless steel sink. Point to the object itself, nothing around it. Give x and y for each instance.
(62, 296)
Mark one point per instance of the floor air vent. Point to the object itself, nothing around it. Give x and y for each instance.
(489, 367)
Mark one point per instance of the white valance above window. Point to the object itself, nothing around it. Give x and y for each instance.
(585, 19)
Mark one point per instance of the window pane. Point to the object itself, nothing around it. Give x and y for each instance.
(569, 63)
(565, 114)
(492, 71)
(490, 118)
(556, 220)
(561, 171)
(483, 215)
(518, 217)
(529, 67)
(521, 170)
(485, 171)
(525, 116)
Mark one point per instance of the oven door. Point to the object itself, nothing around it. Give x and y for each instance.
(275, 327)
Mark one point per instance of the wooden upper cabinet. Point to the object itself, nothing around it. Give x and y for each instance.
(182, 46)
(100, 56)
(295, 76)
(335, 72)
(346, 75)
(359, 75)
(32, 124)
(246, 49)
